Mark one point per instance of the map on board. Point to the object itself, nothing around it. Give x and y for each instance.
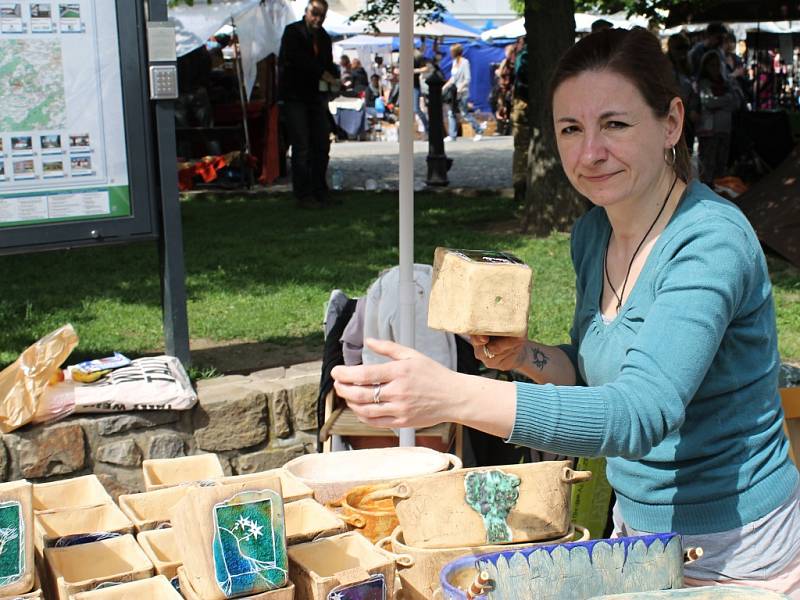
(31, 85)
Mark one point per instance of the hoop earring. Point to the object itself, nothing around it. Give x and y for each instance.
(674, 157)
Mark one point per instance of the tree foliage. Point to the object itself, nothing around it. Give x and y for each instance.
(376, 11)
(655, 10)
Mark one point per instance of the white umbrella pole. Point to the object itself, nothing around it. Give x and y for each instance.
(407, 317)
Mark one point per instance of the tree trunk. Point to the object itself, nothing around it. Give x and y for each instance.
(550, 201)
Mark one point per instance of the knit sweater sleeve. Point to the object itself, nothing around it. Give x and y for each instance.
(700, 282)
(571, 349)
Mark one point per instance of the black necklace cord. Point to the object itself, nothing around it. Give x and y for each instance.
(635, 252)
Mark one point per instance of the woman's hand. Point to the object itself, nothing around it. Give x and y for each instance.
(502, 353)
(411, 391)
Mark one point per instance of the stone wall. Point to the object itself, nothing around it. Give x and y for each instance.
(254, 422)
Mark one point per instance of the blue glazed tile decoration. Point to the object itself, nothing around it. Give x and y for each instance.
(12, 543)
(250, 543)
(373, 588)
(492, 494)
(576, 570)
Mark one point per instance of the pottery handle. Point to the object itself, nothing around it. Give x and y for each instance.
(356, 521)
(455, 462)
(585, 535)
(335, 503)
(403, 560)
(401, 490)
(569, 476)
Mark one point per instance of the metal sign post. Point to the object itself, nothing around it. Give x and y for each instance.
(163, 74)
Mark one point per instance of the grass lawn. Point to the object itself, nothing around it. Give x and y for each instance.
(259, 271)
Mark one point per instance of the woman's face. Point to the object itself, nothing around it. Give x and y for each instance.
(610, 142)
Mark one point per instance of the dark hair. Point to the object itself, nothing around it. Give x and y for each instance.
(635, 55)
(716, 28)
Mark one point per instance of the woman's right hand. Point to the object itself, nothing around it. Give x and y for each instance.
(502, 353)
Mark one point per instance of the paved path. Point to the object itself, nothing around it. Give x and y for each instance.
(483, 165)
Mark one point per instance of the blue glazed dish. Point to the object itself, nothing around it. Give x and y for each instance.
(575, 570)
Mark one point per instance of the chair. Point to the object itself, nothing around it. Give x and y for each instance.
(790, 399)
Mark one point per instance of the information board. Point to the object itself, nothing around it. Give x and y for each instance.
(78, 161)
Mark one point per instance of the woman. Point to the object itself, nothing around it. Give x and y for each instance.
(672, 367)
(460, 78)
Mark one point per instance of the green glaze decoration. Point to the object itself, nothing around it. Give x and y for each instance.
(12, 543)
(492, 494)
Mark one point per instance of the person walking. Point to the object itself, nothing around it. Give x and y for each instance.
(460, 78)
(307, 72)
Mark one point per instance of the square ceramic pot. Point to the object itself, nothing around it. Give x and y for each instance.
(69, 525)
(165, 472)
(291, 487)
(155, 588)
(307, 520)
(161, 548)
(320, 567)
(17, 571)
(84, 567)
(188, 592)
(508, 504)
(76, 492)
(150, 510)
(231, 539)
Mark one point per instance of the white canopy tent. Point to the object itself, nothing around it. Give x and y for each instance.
(365, 47)
(259, 28)
(740, 30)
(432, 29)
(583, 24)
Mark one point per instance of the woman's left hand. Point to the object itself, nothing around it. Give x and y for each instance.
(411, 391)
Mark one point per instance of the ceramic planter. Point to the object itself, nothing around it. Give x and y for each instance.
(165, 472)
(291, 487)
(161, 548)
(374, 519)
(84, 567)
(332, 474)
(419, 568)
(76, 492)
(576, 570)
(188, 592)
(155, 588)
(706, 592)
(307, 520)
(79, 525)
(231, 539)
(328, 565)
(150, 510)
(508, 504)
(17, 571)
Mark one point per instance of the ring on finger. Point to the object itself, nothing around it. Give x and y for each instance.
(376, 393)
(487, 353)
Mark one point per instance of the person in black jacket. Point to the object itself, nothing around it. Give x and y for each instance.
(306, 74)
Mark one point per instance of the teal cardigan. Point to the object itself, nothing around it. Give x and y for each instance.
(681, 389)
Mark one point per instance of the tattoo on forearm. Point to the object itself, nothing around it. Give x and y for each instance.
(537, 357)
